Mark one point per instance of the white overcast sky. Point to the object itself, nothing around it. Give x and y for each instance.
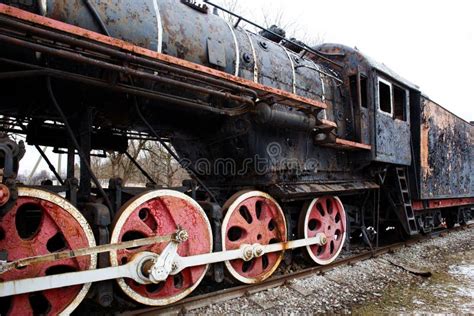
(430, 43)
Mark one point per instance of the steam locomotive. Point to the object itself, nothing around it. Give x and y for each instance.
(286, 147)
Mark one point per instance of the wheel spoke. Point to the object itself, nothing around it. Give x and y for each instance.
(320, 217)
(267, 225)
(52, 225)
(159, 213)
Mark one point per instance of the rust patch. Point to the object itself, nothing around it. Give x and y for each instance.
(424, 150)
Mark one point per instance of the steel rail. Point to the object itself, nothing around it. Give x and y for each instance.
(199, 301)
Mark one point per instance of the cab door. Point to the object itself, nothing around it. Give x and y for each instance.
(360, 107)
(392, 127)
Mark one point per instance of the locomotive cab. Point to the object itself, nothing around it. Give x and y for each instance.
(380, 102)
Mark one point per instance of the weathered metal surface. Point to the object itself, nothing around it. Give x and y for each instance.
(158, 213)
(324, 215)
(306, 190)
(444, 203)
(253, 217)
(68, 254)
(392, 140)
(446, 166)
(348, 145)
(59, 226)
(392, 135)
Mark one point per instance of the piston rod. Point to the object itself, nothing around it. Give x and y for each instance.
(146, 267)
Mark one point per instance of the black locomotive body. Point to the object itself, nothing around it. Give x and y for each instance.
(326, 129)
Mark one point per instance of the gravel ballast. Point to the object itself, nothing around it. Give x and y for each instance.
(380, 285)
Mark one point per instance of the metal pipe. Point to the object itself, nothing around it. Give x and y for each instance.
(76, 144)
(35, 167)
(101, 64)
(19, 74)
(50, 165)
(130, 90)
(140, 167)
(284, 119)
(127, 56)
(321, 72)
(303, 47)
(188, 168)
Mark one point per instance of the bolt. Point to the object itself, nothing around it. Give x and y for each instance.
(246, 57)
(174, 267)
(248, 253)
(181, 235)
(323, 240)
(258, 252)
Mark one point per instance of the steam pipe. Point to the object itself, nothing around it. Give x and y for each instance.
(122, 69)
(131, 58)
(128, 89)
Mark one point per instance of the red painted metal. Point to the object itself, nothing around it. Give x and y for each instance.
(288, 98)
(257, 220)
(421, 205)
(326, 216)
(54, 223)
(159, 217)
(4, 194)
(348, 145)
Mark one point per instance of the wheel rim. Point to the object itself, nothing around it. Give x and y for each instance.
(159, 213)
(324, 215)
(253, 217)
(41, 223)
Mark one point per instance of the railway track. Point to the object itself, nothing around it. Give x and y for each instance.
(206, 299)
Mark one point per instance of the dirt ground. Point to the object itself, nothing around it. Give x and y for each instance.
(381, 285)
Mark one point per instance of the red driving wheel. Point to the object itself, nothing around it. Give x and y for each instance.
(159, 213)
(41, 223)
(324, 215)
(253, 217)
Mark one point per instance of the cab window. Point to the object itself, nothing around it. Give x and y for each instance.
(392, 99)
(385, 96)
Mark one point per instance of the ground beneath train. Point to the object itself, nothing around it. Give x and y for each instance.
(379, 285)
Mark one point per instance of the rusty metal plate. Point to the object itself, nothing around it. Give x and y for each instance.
(446, 152)
(216, 52)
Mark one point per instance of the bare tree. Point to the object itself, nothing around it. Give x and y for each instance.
(39, 177)
(275, 16)
(151, 156)
(117, 164)
(232, 6)
(164, 169)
